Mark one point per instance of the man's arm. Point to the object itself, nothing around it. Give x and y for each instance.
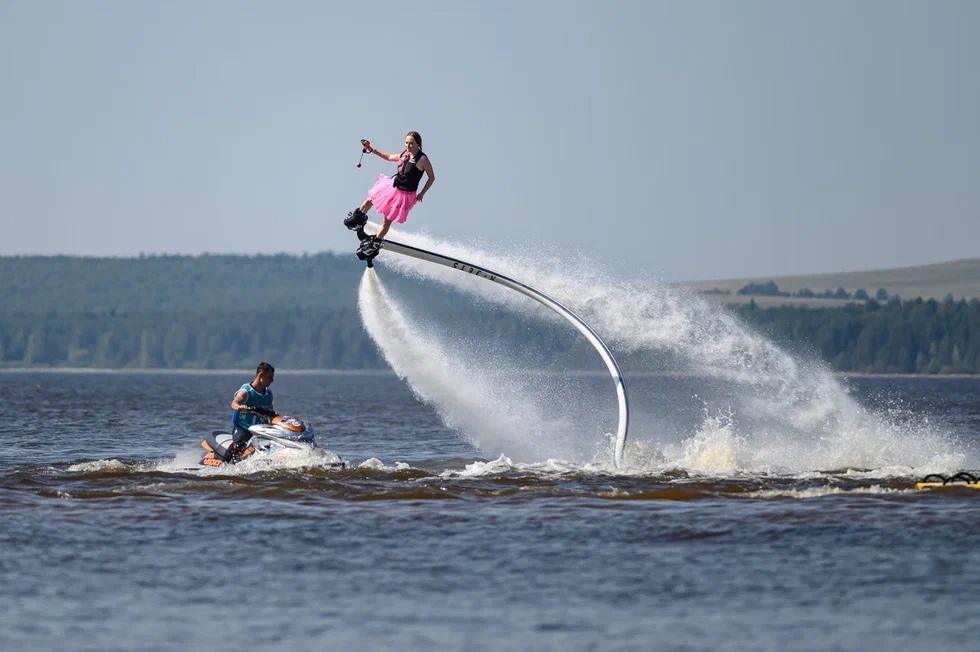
(238, 403)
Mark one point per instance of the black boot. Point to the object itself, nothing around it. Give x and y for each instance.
(238, 445)
(233, 451)
(369, 249)
(355, 219)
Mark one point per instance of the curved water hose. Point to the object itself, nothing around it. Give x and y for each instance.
(540, 297)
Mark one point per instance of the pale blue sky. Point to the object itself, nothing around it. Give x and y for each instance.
(691, 140)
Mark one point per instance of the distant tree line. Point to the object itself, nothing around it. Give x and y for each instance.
(918, 336)
(300, 311)
(770, 289)
(213, 312)
(302, 338)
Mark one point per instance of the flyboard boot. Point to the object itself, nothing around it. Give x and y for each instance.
(356, 220)
(369, 249)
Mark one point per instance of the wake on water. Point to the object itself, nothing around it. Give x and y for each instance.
(776, 413)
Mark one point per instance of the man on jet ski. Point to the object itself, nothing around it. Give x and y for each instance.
(251, 402)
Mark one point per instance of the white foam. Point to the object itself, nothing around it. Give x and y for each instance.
(820, 492)
(287, 458)
(100, 465)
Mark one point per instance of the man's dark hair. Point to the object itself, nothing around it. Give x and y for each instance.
(265, 366)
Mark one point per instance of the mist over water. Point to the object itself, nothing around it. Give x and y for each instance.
(760, 408)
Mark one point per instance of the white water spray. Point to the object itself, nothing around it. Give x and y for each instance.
(471, 389)
(785, 414)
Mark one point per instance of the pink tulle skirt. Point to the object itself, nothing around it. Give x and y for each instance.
(391, 202)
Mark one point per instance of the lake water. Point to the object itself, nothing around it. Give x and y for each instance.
(718, 533)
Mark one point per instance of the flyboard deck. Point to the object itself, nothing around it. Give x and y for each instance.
(374, 247)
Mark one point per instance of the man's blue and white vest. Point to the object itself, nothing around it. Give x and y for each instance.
(254, 399)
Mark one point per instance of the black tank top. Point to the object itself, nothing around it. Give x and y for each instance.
(409, 174)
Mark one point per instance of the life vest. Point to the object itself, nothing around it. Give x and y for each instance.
(253, 400)
(409, 174)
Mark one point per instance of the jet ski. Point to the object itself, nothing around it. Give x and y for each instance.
(273, 434)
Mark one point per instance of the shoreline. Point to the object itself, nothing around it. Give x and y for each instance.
(187, 372)
(373, 372)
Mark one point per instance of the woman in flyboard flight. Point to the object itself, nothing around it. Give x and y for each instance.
(393, 197)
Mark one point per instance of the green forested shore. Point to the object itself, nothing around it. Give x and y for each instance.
(906, 337)
(224, 311)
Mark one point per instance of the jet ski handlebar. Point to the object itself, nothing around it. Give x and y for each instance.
(261, 411)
